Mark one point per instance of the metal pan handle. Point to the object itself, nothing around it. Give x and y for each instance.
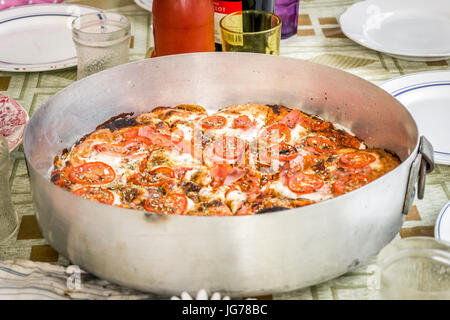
(422, 164)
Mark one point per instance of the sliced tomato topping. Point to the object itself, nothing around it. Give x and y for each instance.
(310, 160)
(92, 173)
(156, 177)
(229, 147)
(349, 141)
(350, 182)
(101, 195)
(275, 134)
(304, 183)
(170, 204)
(356, 159)
(280, 152)
(242, 122)
(214, 122)
(286, 152)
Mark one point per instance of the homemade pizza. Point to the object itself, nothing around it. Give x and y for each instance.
(242, 160)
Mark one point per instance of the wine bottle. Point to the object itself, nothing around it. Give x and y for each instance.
(224, 7)
(264, 5)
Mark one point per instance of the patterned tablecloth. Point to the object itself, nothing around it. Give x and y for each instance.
(319, 39)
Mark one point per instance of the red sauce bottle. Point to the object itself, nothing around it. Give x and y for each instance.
(183, 26)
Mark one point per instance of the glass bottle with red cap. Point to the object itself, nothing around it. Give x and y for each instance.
(183, 26)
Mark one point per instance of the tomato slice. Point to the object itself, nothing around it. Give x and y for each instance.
(101, 195)
(349, 141)
(242, 122)
(214, 122)
(286, 152)
(92, 173)
(229, 147)
(304, 183)
(274, 134)
(156, 177)
(170, 204)
(356, 159)
(350, 182)
(281, 152)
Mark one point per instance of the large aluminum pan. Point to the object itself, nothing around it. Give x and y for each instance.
(245, 255)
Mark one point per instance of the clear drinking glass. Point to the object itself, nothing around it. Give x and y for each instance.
(102, 41)
(287, 10)
(8, 217)
(251, 31)
(415, 268)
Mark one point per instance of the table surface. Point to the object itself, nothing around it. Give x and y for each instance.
(319, 39)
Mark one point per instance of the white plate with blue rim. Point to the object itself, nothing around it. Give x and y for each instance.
(39, 37)
(145, 4)
(414, 30)
(442, 227)
(426, 95)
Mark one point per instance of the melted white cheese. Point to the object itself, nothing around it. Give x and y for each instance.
(376, 165)
(208, 194)
(281, 189)
(297, 134)
(235, 199)
(190, 204)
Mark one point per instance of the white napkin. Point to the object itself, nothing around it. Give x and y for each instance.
(27, 280)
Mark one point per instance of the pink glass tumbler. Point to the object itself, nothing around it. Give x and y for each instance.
(287, 10)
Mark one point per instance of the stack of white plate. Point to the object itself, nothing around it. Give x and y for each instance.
(442, 226)
(145, 4)
(39, 37)
(427, 97)
(414, 30)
